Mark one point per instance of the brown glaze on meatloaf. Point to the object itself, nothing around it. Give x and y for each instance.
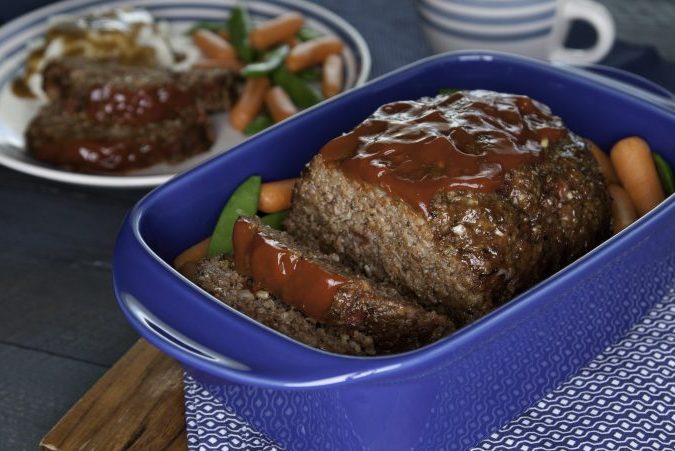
(271, 260)
(218, 277)
(472, 249)
(73, 140)
(106, 117)
(74, 79)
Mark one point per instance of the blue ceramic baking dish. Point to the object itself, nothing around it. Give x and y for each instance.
(449, 394)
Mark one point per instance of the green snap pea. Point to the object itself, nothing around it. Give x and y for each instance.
(258, 124)
(301, 93)
(311, 74)
(665, 174)
(270, 61)
(239, 25)
(215, 27)
(275, 220)
(244, 201)
(307, 34)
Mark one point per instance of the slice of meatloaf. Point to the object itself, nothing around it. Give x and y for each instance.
(215, 89)
(79, 80)
(472, 245)
(313, 298)
(75, 141)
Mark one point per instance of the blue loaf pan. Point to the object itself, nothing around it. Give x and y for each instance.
(446, 395)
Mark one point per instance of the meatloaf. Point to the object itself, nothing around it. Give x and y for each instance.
(313, 298)
(74, 141)
(214, 89)
(461, 200)
(106, 117)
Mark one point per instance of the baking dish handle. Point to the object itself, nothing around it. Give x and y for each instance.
(163, 333)
(626, 82)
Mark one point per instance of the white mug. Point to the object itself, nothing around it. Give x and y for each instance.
(535, 28)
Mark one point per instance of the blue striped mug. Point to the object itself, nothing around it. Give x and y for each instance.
(535, 28)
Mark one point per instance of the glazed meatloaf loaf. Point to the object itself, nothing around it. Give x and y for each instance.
(461, 200)
(312, 297)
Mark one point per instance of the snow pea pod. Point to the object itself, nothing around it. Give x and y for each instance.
(260, 123)
(239, 25)
(275, 220)
(665, 174)
(307, 34)
(302, 94)
(271, 60)
(244, 201)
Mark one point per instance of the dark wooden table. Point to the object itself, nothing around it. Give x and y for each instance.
(60, 327)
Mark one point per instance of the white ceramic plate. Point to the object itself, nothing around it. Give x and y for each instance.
(16, 113)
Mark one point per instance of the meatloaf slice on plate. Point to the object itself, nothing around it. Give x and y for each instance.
(463, 200)
(106, 117)
(73, 140)
(74, 79)
(313, 298)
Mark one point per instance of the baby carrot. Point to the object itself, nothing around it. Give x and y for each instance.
(635, 168)
(332, 76)
(192, 254)
(604, 162)
(213, 46)
(275, 31)
(623, 210)
(276, 196)
(250, 102)
(279, 104)
(312, 52)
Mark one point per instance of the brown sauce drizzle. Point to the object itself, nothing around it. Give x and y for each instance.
(291, 278)
(135, 107)
(100, 156)
(463, 141)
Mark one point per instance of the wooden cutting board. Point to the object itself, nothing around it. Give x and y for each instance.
(136, 405)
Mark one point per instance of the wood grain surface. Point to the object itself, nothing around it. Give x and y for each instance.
(136, 405)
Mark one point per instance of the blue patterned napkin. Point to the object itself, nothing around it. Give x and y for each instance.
(624, 399)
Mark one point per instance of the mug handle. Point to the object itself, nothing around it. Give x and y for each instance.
(595, 14)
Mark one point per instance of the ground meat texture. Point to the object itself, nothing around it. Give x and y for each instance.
(215, 89)
(272, 261)
(73, 141)
(218, 277)
(107, 117)
(475, 249)
(73, 79)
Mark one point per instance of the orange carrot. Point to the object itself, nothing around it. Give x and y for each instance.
(233, 65)
(192, 254)
(279, 104)
(604, 162)
(224, 34)
(276, 196)
(332, 76)
(310, 53)
(276, 30)
(213, 46)
(635, 168)
(250, 102)
(623, 210)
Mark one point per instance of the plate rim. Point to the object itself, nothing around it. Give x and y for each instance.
(149, 181)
